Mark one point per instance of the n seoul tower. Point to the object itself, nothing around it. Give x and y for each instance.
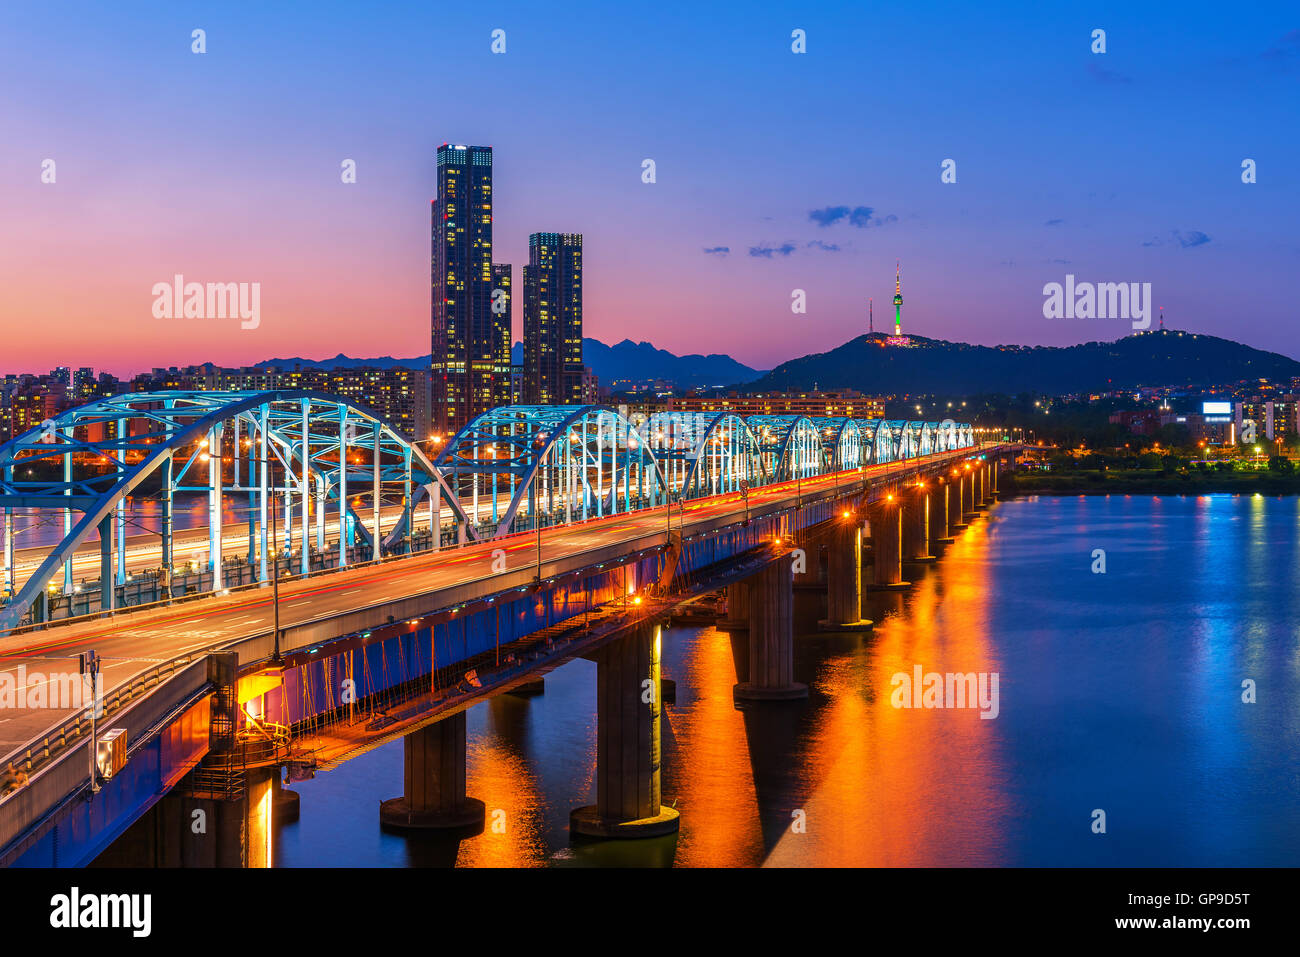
(898, 301)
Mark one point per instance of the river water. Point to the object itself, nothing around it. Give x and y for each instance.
(1118, 691)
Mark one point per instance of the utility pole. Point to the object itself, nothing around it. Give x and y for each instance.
(90, 669)
(538, 510)
(275, 573)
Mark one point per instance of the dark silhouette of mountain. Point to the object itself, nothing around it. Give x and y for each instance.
(627, 361)
(935, 366)
(341, 361)
(640, 361)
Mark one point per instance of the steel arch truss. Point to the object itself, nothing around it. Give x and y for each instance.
(899, 438)
(844, 442)
(297, 446)
(523, 465)
(943, 436)
(790, 446)
(704, 453)
(881, 439)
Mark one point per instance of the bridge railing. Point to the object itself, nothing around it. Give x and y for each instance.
(56, 764)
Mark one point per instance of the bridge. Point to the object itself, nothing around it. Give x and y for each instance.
(374, 590)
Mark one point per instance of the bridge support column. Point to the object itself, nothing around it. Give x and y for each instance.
(916, 526)
(979, 488)
(887, 546)
(993, 476)
(939, 511)
(434, 777)
(771, 636)
(844, 580)
(967, 495)
(956, 508)
(628, 750)
(737, 608)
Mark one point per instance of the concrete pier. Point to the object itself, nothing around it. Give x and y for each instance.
(844, 579)
(628, 748)
(887, 534)
(737, 608)
(434, 779)
(967, 495)
(916, 525)
(957, 493)
(939, 511)
(771, 636)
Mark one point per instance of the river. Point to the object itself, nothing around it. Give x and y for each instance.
(1118, 691)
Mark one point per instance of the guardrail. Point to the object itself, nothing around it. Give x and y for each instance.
(58, 760)
(72, 731)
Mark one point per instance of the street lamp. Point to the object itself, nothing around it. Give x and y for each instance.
(275, 544)
(537, 512)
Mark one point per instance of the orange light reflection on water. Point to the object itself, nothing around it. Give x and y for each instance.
(902, 786)
(710, 772)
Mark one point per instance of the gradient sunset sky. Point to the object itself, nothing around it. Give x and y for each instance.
(812, 171)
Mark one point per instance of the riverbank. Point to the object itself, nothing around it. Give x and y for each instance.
(1149, 482)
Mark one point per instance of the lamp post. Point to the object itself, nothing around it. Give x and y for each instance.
(275, 544)
(537, 511)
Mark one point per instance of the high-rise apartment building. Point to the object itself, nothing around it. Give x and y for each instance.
(503, 309)
(470, 370)
(553, 319)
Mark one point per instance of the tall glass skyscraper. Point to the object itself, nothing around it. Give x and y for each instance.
(471, 342)
(553, 320)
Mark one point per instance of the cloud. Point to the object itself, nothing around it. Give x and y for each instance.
(859, 216)
(1102, 75)
(828, 215)
(717, 250)
(1053, 222)
(1286, 49)
(825, 247)
(767, 252)
(1186, 239)
(1193, 237)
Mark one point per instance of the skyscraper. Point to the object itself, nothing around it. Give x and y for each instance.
(471, 343)
(503, 309)
(553, 319)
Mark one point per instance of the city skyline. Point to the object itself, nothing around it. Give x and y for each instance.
(1065, 161)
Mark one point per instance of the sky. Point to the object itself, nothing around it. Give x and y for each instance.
(775, 171)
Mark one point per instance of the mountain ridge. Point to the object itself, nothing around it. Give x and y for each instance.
(936, 366)
(625, 360)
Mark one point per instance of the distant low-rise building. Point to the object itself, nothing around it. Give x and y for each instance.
(1273, 418)
(843, 402)
(1145, 422)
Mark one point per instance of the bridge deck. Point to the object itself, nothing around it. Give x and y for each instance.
(133, 639)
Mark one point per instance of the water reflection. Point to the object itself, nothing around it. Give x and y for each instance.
(1120, 691)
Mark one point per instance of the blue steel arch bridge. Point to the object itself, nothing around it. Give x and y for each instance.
(322, 482)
